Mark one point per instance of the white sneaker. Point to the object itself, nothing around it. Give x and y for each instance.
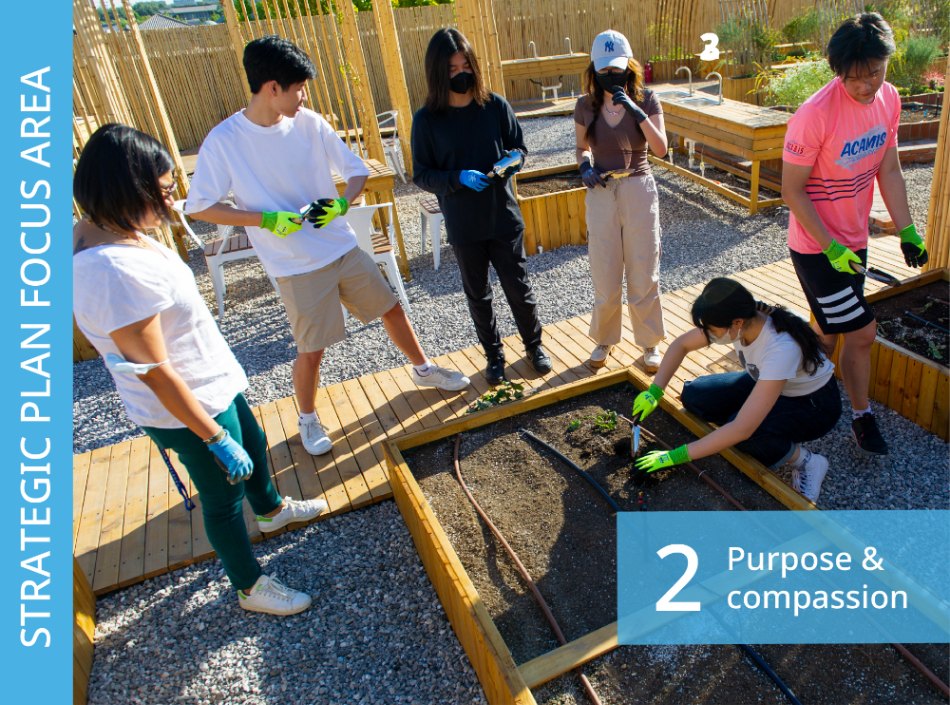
(435, 376)
(271, 596)
(293, 511)
(314, 437)
(808, 478)
(598, 358)
(651, 359)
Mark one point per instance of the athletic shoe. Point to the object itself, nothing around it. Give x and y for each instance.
(807, 479)
(867, 436)
(598, 358)
(495, 370)
(539, 360)
(435, 376)
(651, 359)
(314, 437)
(271, 596)
(293, 511)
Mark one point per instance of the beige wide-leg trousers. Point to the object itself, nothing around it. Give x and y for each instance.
(623, 239)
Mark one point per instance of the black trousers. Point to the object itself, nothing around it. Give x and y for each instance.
(508, 259)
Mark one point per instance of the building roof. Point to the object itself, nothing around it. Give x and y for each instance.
(161, 22)
(192, 9)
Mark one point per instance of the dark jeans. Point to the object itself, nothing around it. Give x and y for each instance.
(718, 398)
(508, 259)
(222, 502)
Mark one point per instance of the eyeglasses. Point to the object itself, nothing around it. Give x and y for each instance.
(168, 190)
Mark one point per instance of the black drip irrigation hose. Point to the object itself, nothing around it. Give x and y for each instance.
(571, 464)
(522, 570)
(921, 319)
(752, 653)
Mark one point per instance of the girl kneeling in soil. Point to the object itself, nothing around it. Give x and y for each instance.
(137, 303)
(787, 394)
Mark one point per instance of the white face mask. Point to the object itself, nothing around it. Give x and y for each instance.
(725, 338)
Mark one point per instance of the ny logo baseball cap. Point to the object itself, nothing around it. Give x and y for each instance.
(610, 48)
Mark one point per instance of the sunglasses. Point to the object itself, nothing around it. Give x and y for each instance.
(168, 190)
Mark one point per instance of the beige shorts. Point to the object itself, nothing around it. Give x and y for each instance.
(313, 299)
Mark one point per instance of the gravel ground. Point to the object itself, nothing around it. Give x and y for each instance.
(377, 633)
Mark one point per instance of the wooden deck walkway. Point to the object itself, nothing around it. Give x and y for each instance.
(129, 522)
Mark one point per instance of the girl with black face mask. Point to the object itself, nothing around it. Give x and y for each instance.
(614, 125)
(460, 134)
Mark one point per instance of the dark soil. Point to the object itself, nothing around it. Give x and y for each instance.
(901, 320)
(541, 185)
(918, 112)
(564, 533)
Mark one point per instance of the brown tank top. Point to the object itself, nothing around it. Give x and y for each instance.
(620, 147)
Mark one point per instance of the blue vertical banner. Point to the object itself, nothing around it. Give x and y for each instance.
(36, 352)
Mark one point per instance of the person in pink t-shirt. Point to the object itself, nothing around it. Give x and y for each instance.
(838, 143)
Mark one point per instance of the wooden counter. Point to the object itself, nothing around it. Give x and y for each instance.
(542, 66)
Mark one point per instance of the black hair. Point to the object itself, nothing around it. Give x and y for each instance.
(724, 300)
(634, 89)
(116, 178)
(273, 58)
(444, 43)
(860, 39)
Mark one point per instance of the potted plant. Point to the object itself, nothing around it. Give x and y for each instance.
(748, 43)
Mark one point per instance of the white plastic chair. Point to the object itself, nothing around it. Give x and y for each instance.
(228, 246)
(430, 214)
(391, 146)
(378, 244)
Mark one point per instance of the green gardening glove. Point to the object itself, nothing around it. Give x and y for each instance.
(912, 245)
(841, 257)
(659, 459)
(646, 402)
(323, 211)
(281, 223)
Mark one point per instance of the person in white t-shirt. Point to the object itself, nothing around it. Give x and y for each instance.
(137, 303)
(786, 395)
(274, 158)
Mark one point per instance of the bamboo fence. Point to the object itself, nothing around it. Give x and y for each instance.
(938, 216)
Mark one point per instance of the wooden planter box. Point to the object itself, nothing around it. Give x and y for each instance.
(555, 219)
(504, 682)
(911, 385)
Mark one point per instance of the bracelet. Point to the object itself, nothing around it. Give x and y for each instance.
(216, 437)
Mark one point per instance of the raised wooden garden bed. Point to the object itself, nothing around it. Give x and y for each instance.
(556, 216)
(909, 383)
(470, 613)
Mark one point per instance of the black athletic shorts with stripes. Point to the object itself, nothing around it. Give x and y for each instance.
(835, 298)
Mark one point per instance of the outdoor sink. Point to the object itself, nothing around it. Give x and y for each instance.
(697, 100)
(673, 95)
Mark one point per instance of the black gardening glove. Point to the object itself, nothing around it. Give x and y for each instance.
(592, 176)
(621, 98)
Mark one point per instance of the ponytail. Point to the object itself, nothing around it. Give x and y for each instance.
(787, 322)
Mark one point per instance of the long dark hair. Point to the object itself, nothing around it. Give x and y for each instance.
(444, 43)
(635, 89)
(116, 178)
(724, 300)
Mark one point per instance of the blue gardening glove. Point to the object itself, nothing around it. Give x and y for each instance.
(841, 257)
(592, 176)
(912, 245)
(323, 211)
(281, 223)
(474, 180)
(237, 463)
(636, 112)
(646, 402)
(659, 459)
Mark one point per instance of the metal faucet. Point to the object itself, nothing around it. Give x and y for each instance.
(719, 76)
(689, 74)
(533, 49)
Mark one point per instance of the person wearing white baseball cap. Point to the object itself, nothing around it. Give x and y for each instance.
(615, 122)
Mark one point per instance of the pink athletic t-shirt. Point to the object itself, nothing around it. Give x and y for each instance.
(844, 142)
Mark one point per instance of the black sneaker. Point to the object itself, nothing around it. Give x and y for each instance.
(539, 360)
(495, 371)
(867, 436)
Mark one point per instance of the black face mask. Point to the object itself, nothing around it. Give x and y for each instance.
(612, 81)
(462, 82)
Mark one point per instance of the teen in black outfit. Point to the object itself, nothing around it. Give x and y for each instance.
(457, 137)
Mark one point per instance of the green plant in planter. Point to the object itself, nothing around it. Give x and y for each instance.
(803, 28)
(796, 84)
(605, 422)
(914, 57)
(748, 41)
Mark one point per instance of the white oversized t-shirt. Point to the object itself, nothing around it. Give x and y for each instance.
(117, 285)
(773, 355)
(282, 167)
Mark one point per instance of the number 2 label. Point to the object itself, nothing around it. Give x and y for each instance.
(666, 603)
